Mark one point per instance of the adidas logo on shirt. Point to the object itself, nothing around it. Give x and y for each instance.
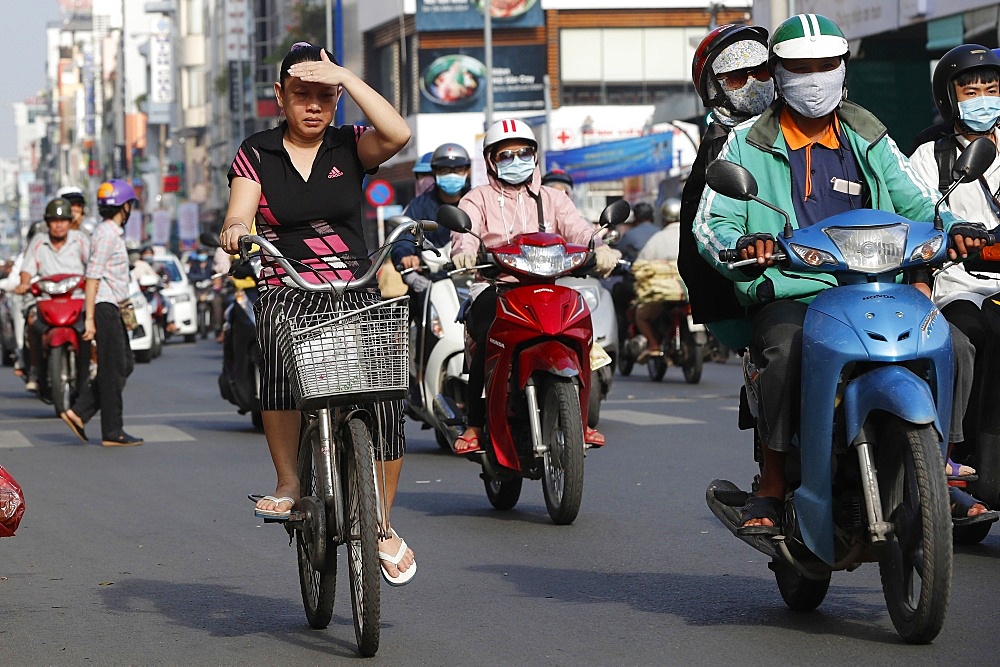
(334, 173)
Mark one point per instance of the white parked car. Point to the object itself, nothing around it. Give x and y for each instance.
(180, 291)
(145, 341)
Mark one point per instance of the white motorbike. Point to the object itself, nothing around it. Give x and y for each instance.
(438, 379)
(602, 364)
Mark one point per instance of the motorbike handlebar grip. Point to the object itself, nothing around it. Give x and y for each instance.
(429, 225)
(728, 255)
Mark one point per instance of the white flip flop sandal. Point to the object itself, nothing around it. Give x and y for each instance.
(274, 514)
(404, 577)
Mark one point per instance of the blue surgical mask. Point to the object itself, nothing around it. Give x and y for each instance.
(980, 114)
(516, 172)
(450, 184)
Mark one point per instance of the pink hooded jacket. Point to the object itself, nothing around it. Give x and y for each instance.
(501, 211)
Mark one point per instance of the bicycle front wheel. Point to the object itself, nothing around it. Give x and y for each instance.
(316, 551)
(362, 538)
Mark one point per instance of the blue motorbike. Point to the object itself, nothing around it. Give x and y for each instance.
(865, 482)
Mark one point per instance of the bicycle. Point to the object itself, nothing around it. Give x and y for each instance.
(341, 363)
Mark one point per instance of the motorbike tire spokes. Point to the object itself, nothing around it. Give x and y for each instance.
(62, 377)
(798, 592)
(917, 562)
(562, 433)
(358, 479)
(316, 552)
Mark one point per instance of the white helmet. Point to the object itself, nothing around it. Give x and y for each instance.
(72, 193)
(502, 130)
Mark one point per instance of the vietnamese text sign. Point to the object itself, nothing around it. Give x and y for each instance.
(613, 160)
(237, 28)
(468, 14)
(161, 61)
(455, 79)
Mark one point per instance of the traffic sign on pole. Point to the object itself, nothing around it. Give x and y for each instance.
(380, 193)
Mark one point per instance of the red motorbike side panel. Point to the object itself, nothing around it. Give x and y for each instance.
(546, 328)
(60, 312)
(60, 336)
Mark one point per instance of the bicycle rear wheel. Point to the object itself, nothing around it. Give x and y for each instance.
(317, 553)
(362, 538)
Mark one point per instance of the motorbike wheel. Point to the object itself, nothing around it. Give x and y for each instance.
(503, 494)
(626, 362)
(916, 563)
(657, 368)
(62, 377)
(156, 345)
(594, 404)
(562, 434)
(317, 553)
(970, 535)
(358, 479)
(798, 592)
(694, 358)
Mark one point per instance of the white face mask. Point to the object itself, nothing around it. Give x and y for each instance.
(813, 95)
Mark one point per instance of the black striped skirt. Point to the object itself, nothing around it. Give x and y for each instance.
(275, 388)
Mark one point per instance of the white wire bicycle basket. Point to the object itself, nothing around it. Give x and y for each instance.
(347, 357)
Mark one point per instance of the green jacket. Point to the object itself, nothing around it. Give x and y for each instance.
(758, 145)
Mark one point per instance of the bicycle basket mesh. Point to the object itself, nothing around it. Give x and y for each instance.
(343, 356)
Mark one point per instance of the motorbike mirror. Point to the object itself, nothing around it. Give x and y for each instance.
(970, 166)
(616, 213)
(454, 218)
(974, 160)
(731, 179)
(209, 240)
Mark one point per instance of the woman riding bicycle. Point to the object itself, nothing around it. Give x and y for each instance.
(301, 182)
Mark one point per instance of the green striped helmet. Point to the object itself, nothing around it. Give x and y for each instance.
(807, 36)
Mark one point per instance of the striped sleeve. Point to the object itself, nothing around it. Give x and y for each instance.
(245, 164)
(358, 131)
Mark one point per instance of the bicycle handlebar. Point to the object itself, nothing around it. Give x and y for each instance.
(404, 225)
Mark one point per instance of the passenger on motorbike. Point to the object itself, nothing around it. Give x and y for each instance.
(815, 154)
(513, 202)
(966, 85)
(147, 276)
(657, 279)
(423, 179)
(560, 180)
(61, 250)
(78, 205)
(729, 71)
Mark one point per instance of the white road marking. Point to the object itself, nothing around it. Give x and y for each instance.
(13, 440)
(645, 418)
(159, 433)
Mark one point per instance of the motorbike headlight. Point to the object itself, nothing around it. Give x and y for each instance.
(870, 249)
(925, 252)
(590, 295)
(57, 287)
(543, 260)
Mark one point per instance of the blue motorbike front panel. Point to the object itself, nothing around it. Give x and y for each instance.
(870, 322)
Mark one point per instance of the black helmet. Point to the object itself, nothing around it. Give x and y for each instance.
(557, 176)
(58, 209)
(450, 155)
(960, 59)
(643, 211)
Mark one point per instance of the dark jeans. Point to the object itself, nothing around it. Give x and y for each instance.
(982, 328)
(478, 322)
(115, 363)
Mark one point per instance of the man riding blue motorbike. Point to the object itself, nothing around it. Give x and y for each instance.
(816, 154)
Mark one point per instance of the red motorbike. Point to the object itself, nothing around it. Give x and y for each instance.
(537, 367)
(61, 369)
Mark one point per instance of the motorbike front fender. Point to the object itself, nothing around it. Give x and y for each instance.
(550, 356)
(62, 336)
(892, 389)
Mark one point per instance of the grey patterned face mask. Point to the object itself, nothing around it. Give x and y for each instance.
(813, 95)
